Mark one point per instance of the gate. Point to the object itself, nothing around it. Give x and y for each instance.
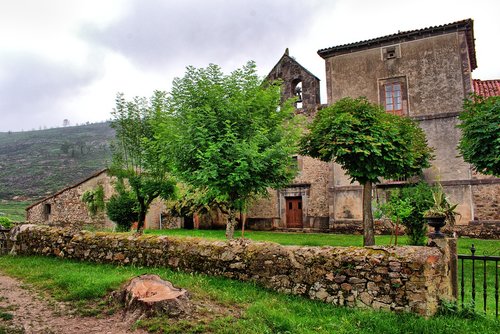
(475, 269)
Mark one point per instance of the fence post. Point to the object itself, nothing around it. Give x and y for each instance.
(448, 246)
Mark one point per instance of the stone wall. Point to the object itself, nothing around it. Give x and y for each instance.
(411, 279)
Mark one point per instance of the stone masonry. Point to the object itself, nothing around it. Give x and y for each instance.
(409, 279)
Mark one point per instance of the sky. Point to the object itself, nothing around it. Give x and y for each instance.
(67, 59)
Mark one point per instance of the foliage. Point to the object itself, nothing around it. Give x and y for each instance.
(137, 156)
(122, 209)
(480, 141)
(396, 209)
(413, 200)
(231, 137)
(368, 143)
(419, 196)
(190, 201)
(94, 199)
(5, 222)
(441, 207)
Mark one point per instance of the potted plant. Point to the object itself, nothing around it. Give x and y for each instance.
(440, 212)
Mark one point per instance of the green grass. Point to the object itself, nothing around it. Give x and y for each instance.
(261, 311)
(321, 239)
(14, 210)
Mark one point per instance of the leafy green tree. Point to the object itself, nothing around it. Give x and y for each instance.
(122, 209)
(480, 141)
(367, 143)
(231, 136)
(137, 156)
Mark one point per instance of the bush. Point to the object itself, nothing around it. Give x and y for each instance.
(5, 222)
(419, 198)
(122, 209)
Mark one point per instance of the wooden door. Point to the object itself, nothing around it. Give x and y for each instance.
(294, 212)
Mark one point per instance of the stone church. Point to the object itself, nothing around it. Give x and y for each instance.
(423, 74)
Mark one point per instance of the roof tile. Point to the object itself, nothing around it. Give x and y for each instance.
(486, 88)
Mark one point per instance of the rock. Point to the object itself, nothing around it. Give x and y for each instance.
(149, 295)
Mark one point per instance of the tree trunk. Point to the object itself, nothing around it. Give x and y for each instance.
(231, 223)
(368, 229)
(242, 220)
(142, 216)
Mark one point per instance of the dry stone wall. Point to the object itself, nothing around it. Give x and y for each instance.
(394, 278)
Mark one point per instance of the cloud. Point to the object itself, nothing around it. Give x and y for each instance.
(33, 90)
(165, 33)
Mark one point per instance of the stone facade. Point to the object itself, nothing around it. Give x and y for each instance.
(65, 208)
(432, 68)
(411, 279)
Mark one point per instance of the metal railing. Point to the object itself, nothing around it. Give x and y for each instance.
(489, 266)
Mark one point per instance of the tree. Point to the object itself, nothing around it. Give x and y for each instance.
(122, 209)
(231, 137)
(480, 141)
(368, 144)
(137, 155)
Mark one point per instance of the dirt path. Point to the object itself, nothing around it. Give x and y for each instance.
(34, 314)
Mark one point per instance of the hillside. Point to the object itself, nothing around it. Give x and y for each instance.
(34, 164)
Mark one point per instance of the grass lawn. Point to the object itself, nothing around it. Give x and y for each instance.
(323, 239)
(236, 307)
(13, 210)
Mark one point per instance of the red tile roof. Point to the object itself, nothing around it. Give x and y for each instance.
(406, 36)
(486, 88)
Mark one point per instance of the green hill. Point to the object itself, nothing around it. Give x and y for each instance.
(34, 164)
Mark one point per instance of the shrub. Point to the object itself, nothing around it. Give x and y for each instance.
(94, 199)
(419, 197)
(5, 222)
(122, 209)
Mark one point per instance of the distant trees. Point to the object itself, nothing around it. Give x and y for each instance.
(480, 141)
(368, 143)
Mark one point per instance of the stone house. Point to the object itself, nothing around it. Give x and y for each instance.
(65, 207)
(422, 74)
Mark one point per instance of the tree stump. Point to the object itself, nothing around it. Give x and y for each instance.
(149, 295)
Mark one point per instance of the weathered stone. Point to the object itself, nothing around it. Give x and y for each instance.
(297, 270)
(340, 278)
(356, 280)
(366, 298)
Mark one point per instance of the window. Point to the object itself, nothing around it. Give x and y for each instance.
(47, 209)
(297, 92)
(393, 98)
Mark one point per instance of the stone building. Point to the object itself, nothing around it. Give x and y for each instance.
(304, 204)
(422, 74)
(65, 207)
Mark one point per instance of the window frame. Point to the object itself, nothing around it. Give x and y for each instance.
(398, 102)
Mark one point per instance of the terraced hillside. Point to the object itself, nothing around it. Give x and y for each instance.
(34, 164)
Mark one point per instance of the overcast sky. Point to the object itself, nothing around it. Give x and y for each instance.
(64, 59)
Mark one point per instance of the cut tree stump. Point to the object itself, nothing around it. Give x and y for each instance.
(149, 295)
